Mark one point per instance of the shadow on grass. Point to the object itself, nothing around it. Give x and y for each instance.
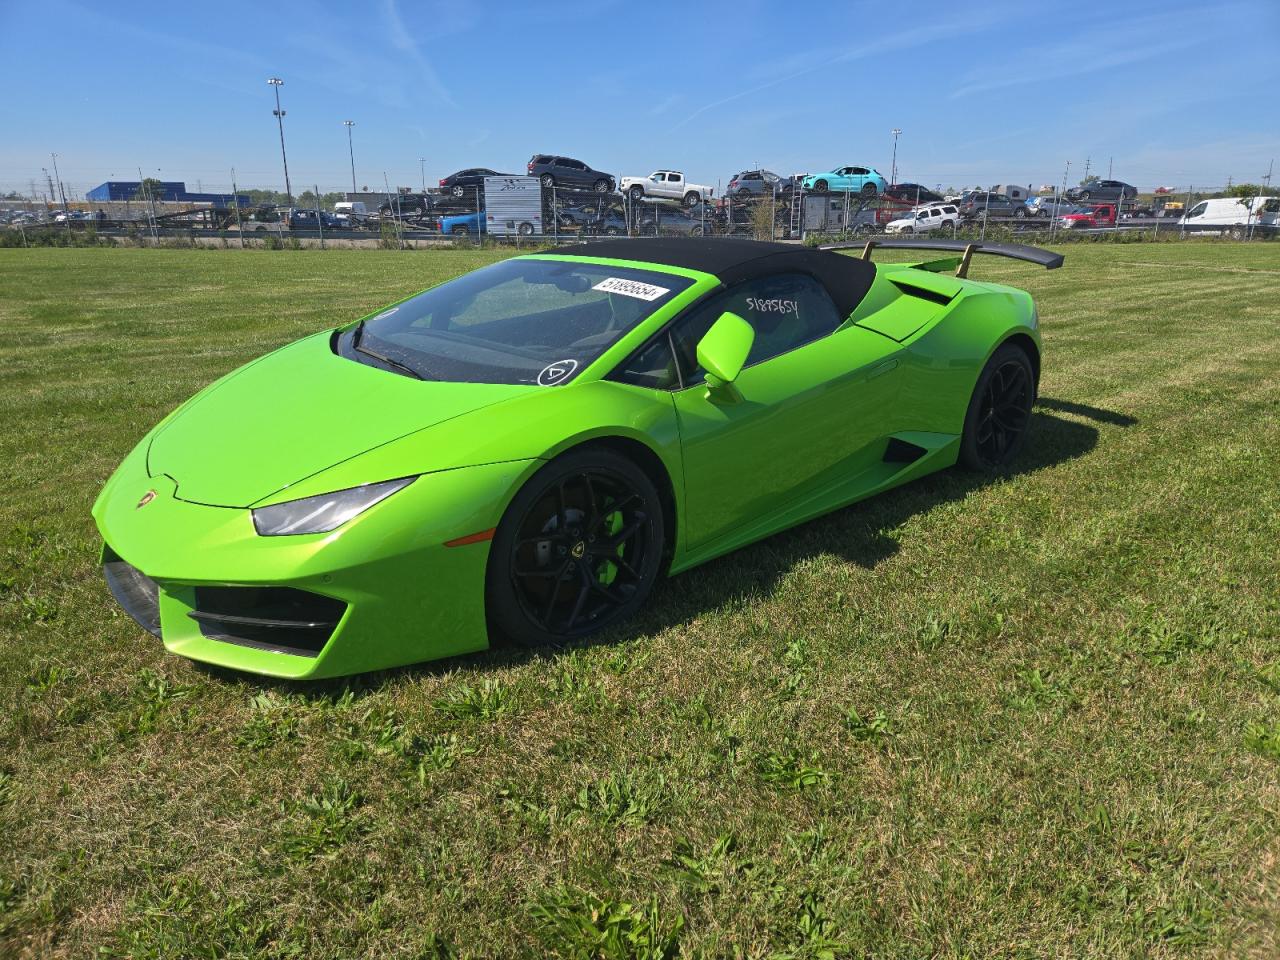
(859, 534)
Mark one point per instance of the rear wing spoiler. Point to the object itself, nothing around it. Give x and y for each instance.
(966, 248)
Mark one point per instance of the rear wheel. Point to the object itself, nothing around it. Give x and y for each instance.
(457, 191)
(526, 229)
(547, 180)
(578, 549)
(690, 198)
(459, 231)
(868, 189)
(995, 425)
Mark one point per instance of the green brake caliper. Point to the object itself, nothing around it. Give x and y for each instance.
(608, 571)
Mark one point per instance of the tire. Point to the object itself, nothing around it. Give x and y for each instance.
(547, 180)
(526, 229)
(1084, 194)
(819, 186)
(1019, 213)
(636, 193)
(691, 198)
(460, 230)
(611, 231)
(999, 414)
(868, 190)
(696, 231)
(458, 191)
(947, 224)
(578, 549)
(601, 186)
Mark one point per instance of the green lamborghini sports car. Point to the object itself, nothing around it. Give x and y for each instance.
(522, 451)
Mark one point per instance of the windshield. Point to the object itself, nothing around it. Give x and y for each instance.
(519, 321)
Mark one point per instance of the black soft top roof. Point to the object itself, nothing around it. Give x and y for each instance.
(734, 260)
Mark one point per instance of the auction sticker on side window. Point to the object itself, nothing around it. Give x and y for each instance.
(631, 288)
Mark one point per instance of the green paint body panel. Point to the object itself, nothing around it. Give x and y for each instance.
(791, 438)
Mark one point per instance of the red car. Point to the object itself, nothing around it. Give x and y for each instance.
(1102, 215)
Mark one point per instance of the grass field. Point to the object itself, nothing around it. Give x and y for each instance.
(1035, 717)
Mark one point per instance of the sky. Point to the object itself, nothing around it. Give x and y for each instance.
(1163, 93)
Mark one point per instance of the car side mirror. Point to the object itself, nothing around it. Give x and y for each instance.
(723, 349)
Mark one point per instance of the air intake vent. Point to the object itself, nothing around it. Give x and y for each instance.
(280, 619)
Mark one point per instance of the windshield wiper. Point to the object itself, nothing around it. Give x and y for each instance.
(370, 352)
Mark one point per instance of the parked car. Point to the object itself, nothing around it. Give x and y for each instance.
(912, 193)
(405, 204)
(1103, 190)
(923, 219)
(979, 205)
(666, 185)
(754, 182)
(675, 222)
(1046, 207)
(464, 182)
(462, 224)
(313, 220)
(1099, 215)
(556, 171)
(864, 180)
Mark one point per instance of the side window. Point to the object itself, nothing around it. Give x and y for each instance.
(786, 311)
(859, 171)
(1198, 210)
(654, 366)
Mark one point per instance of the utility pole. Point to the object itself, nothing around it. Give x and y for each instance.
(351, 151)
(62, 193)
(893, 169)
(1086, 167)
(1109, 159)
(279, 114)
(422, 167)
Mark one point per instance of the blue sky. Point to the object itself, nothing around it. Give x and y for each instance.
(1169, 93)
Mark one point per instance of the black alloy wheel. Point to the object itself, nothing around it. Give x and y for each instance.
(819, 186)
(547, 180)
(999, 414)
(601, 186)
(578, 549)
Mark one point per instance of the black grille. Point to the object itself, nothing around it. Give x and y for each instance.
(281, 619)
(134, 591)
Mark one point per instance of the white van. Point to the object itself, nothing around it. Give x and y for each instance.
(351, 206)
(1238, 212)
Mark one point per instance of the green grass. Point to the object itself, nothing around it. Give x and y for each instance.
(1027, 718)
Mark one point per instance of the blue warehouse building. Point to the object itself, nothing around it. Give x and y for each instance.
(172, 190)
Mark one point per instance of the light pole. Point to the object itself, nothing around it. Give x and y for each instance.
(422, 167)
(893, 170)
(288, 191)
(351, 150)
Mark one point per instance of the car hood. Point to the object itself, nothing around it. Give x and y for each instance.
(293, 413)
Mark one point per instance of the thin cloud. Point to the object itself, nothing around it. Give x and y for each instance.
(895, 42)
(403, 41)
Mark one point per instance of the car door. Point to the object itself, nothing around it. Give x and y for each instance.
(802, 419)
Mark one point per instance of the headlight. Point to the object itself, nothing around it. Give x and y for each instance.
(325, 512)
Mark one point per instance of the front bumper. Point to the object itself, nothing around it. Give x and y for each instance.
(381, 591)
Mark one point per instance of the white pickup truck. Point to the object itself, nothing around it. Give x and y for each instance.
(665, 185)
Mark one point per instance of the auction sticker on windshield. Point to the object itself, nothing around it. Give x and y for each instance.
(631, 288)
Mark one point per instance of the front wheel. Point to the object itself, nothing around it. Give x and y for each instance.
(1084, 194)
(995, 425)
(819, 186)
(578, 549)
(1019, 212)
(601, 186)
(459, 231)
(637, 193)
